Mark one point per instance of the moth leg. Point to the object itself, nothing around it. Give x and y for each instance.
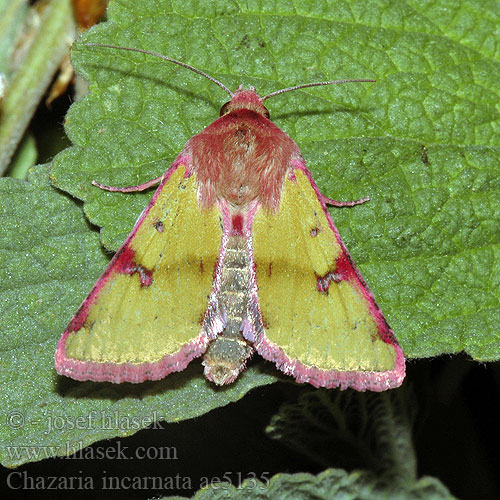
(130, 189)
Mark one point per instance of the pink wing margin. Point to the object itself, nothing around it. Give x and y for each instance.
(126, 372)
(360, 381)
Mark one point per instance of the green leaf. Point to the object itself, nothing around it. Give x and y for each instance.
(420, 142)
(49, 259)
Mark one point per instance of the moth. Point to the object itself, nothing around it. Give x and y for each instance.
(236, 253)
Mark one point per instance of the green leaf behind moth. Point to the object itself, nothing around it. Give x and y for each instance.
(49, 260)
(422, 142)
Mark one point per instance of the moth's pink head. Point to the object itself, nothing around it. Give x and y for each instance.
(245, 99)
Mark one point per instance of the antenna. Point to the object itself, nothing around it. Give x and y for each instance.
(221, 85)
(317, 84)
(166, 58)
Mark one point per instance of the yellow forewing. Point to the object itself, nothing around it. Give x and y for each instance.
(129, 321)
(292, 248)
